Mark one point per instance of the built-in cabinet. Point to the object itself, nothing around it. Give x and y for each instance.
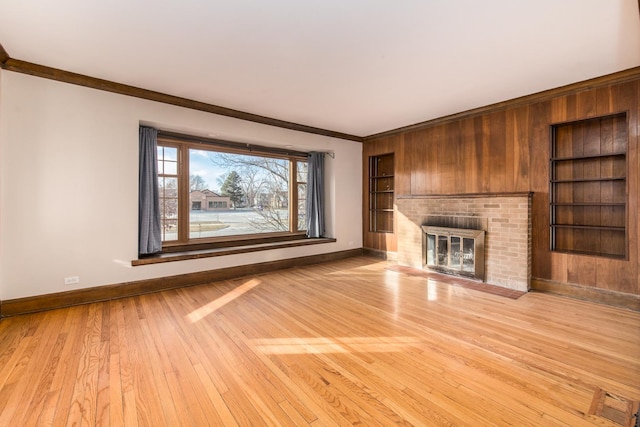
(381, 193)
(588, 181)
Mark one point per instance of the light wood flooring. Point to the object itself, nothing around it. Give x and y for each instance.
(342, 343)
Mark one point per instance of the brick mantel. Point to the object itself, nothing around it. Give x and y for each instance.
(505, 217)
(462, 196)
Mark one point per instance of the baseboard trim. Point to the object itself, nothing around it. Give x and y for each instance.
(603, 296)
(384, 255)
(18, 306)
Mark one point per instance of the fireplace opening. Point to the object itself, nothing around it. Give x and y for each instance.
(457, 251)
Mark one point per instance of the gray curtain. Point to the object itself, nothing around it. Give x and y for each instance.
(315, 195)
(149, 235)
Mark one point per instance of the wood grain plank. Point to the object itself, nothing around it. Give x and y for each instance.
(517, 123)
(31, 360)
(468, 157)
(500, 175)
(84, 397)
(419, 167)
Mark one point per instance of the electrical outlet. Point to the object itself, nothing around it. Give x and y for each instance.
(72, 280)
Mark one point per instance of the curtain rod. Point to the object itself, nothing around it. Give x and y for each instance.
(238, 145)
(231, 144)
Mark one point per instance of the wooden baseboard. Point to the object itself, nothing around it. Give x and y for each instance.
(14, 307)
(385, 255)
(602, 296)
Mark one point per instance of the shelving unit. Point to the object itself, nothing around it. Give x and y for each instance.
(588, 196)
(381, 193)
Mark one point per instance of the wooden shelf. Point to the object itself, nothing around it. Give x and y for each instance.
(381, 193)
(587, 157)
(576, 178)
(591, 253)
(588, 204)
(574, 181)
(589, 227)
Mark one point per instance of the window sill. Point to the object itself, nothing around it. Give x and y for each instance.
(232, 250)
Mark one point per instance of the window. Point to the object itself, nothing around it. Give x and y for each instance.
(212, 191)
(588, 186)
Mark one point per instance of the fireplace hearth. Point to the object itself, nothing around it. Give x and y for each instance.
(456, 251)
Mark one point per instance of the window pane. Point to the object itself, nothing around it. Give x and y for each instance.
(168, 192)
(167, 160)
(301, 174)
(167, 153)
(168, 187)
(302, 206)
(169, 219)
(302, 171)
(236, 194)
(170, 167)
(170, 230)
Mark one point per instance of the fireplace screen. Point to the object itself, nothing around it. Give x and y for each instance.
(454, 250)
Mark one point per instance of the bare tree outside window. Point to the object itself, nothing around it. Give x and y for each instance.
(265, 184)
(197, 183)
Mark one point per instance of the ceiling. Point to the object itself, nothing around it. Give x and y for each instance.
(358, 67)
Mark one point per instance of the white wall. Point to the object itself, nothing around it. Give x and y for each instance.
(68, 185)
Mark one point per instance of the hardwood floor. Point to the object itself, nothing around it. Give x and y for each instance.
(348, 342)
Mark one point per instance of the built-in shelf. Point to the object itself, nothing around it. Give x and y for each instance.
(588, 156)
(381, 193)
(573, 181)
(589, 227)
(588, 186)
(593, 204)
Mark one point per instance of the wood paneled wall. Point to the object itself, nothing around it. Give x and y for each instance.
(506, 149)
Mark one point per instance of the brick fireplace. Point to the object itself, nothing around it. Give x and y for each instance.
(504, 218)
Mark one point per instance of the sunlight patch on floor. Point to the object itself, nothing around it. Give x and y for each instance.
(432, 290)
(214, 305)
(320, 345)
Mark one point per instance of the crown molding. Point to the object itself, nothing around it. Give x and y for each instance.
(4, 56)
(24, 67)
(43, 71)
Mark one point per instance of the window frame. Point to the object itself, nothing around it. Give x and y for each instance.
(184, 143)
